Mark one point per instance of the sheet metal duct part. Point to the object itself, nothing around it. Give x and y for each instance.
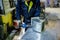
(36, 24)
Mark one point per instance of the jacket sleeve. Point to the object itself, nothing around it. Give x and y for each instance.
(18, 10)
(38, 9)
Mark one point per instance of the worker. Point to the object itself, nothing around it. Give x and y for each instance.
(26, 9)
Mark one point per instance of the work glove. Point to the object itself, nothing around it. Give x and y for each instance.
(23, 25)
(16, 23)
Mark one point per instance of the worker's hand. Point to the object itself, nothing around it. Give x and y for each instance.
(16, 23)
(23, 25)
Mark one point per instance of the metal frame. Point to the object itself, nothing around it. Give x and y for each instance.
(3, 8)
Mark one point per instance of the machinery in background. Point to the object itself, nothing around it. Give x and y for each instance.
(1, 29)
(6, 13)
(58, 3)
(0, 10)
(13, 3)
(43, 15)
(1, 23)
(53, 3)
(1, 7)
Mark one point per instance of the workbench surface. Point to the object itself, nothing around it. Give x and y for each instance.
(33, 35)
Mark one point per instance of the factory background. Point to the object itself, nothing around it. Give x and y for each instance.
(7, 15)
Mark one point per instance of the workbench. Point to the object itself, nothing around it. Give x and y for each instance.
(33, 35)
(34, 32)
